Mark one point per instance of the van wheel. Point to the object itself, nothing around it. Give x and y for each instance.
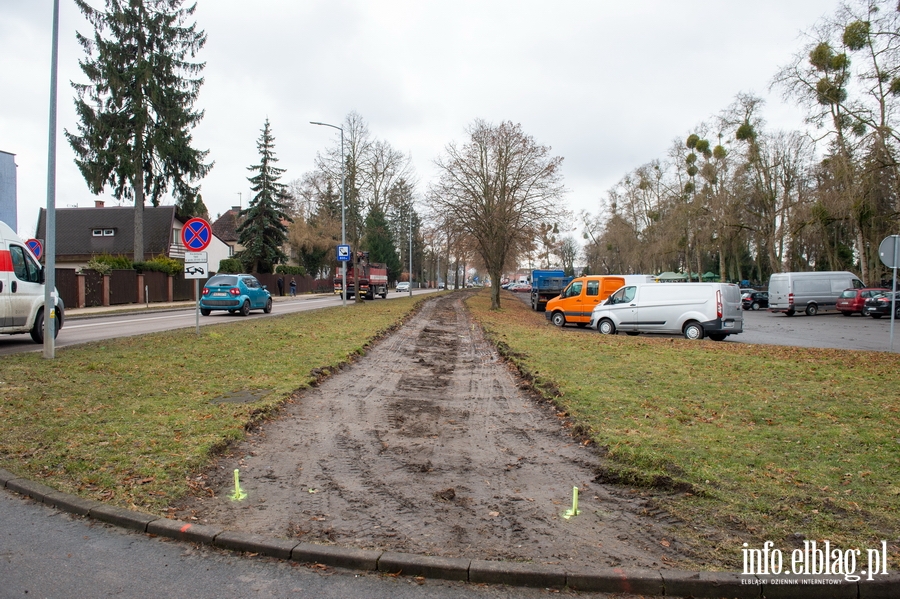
(37, 330)
(812, 310)
(789, 313)
(693, 330)
(717, 336)
(606, 327)
(558, 318)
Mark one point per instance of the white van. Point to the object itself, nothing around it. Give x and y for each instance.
(695, 310)
(22, 289)
(809, 292)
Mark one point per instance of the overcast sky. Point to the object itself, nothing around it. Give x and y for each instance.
(608, 84)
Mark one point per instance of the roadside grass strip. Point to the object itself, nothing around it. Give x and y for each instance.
(743, 443)
(130, 420)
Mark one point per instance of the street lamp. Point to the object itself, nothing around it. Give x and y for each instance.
(343, 219)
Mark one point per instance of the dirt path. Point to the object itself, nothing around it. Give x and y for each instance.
(428, 445)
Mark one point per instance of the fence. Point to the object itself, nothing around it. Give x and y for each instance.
(89, 288)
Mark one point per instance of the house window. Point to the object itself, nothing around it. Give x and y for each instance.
(103, 232)
(98, 233)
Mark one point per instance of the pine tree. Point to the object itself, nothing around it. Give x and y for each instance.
(380, 243)
(263, 231)
(137, 112)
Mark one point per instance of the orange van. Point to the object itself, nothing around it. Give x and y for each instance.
(577, 301)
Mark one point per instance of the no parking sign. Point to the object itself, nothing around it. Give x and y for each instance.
(196, 234)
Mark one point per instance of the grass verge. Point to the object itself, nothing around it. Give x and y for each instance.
(128, 420)
(765, 443)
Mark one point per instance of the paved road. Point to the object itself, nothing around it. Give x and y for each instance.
(138, 320)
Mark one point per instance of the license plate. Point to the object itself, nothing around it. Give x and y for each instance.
(220, 294)
(729, 325)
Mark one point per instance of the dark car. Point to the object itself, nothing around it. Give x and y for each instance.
(854, 300)
(755, 300)
(880, 305)
(235, 293)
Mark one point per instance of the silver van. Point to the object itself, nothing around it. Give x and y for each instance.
(809, 292)
(695, 310)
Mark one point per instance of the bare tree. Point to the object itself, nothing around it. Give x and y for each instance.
(500, 187)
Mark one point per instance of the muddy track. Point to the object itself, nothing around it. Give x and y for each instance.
(429, 445)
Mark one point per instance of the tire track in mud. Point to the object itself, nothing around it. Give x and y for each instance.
(427, 445)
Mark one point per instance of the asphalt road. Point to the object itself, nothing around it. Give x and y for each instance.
(79, 329)
(49, 554)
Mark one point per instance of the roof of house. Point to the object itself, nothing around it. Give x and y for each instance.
(225, 227)
(75, 227)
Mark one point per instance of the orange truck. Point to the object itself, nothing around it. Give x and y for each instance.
(577, 301)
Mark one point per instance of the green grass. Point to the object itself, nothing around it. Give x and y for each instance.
(766, 441)
(129, 420)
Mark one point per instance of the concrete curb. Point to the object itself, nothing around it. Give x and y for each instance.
(676, 583)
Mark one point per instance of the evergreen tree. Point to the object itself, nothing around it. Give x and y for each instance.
(380, 243)
(137, 112)
(262, 231)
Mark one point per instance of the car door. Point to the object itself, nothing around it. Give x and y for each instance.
(24, 285)
(254, 292)
(621, 307)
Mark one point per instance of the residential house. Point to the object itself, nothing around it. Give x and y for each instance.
(82, 233)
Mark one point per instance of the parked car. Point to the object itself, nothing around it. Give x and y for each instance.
(235, 293)
(755, 300)
(880, 305)
(809, 292)
(695, 310)
(403, 286)
(854, 300)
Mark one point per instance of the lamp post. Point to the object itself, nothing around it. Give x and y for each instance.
(343, 219)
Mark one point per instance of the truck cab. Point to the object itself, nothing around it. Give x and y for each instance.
(22, 289)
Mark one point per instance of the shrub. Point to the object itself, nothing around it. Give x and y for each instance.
(283, 269)
(230, 266)
(170, 266)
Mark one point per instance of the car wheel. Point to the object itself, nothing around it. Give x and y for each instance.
(245, 309)
(812, 310)
(875, 315)
(268, 307)
(205, 311)
(845, 313)
(559, 319)
(37, 330)
(693, 330)
(606, 327)
(755, 306)
(717, 336)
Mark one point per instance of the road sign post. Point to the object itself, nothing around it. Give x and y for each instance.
(196, 267)
(889, 252)
(343, 256)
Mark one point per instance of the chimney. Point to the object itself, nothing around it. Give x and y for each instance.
(98, 203)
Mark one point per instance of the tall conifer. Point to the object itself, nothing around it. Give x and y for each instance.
(136, 114)
(263, 231)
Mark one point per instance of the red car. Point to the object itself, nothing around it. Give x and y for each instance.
(853, 300)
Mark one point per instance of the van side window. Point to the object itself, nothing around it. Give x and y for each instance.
(628, 294)
(857, 284)
(593, 288)
(574, 289)
(24, 267)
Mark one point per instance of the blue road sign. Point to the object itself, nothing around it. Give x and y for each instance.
(196, 234)
(36, 247)
(343, 253)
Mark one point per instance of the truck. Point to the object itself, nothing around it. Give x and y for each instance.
(373, 278)
(545, 285)
(22, 307)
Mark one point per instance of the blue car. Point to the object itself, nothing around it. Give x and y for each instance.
(235, 293)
